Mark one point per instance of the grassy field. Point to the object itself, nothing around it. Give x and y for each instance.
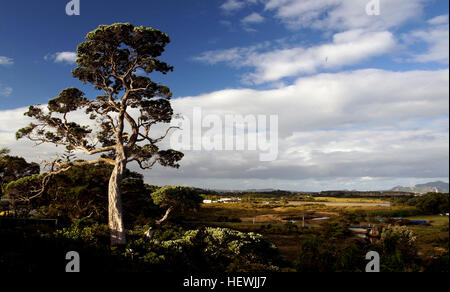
(435, 220)
(351, 200)
(279, 222)
(432, 238)
(283, 223)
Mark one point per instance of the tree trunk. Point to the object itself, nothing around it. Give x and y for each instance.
(115, 220)
(165, 217)
(149, 233)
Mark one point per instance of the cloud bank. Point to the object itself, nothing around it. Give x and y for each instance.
(347, 48)
(364, 126)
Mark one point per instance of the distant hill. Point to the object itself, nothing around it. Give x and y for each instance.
(259, 190)
(439, 186)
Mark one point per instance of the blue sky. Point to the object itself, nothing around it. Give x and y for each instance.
(31, 30)
(193, 26)
(266, 46)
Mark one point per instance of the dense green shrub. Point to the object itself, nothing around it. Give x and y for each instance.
(431, 203)
(413, 211)
(13, 168)
(176, 200)
(317, 254)
(172, 249)
(398, 249)
(331, 248)
(82, 192)
(211, 249)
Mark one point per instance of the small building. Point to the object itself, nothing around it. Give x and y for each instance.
(229, 200)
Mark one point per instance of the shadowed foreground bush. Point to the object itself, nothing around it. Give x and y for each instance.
(171, 250)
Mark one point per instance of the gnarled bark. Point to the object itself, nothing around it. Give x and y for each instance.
(149, 233)
(115, 220)
(165, 217)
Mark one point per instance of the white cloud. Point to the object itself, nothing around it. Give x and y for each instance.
(347, 48)
(62, 57)
(6, 61)
(5, 91)
(346, 99)
(335, 131)
(365, 123)
(226, 23)
(233, 56)
(253, 18)
(343, 14)
(437, 39)
(441, 19)
(232, 5)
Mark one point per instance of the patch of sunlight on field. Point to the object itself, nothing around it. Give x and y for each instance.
(351, 200)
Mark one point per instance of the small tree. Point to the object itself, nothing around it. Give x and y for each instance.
(176, 200)
(21, 192)
(13, 168)
(431, 203)
(399, 249)
(395, 237)
(109, 60)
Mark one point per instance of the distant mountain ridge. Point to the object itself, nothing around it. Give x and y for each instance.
(246, 190)
(437, 186)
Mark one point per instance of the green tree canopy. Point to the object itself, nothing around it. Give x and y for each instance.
(14, 167)
(431, 203)
(176, 200)
(82, 192)
(116, 60)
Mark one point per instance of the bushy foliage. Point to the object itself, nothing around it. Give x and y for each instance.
(204, 249)
(431, 203)
(20, 192)
(181, 197)
(389, 213)
(394, 236)
(335, 231)
(13, 168)
(398, 249)
(82, 192)
(22, 188)
(171, 250)
(176, 200)
(331, 249)
(223, 249)
(87, 231)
